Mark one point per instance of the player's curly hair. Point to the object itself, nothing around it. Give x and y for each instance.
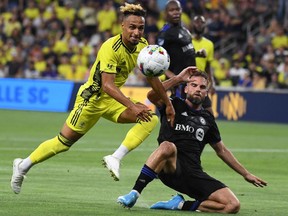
(132, 9)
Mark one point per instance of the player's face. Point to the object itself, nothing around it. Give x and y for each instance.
(196, 90)
(132, 30)
(173, 12)
(199, 25)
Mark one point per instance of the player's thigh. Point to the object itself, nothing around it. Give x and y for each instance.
(119, 113)
(84, 115)
(173, 180)
(168, 150)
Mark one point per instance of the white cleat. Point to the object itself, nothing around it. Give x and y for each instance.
(17, 177)
(113, 165)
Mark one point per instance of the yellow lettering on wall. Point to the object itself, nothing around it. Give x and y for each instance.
(233, 106)
(139, 94)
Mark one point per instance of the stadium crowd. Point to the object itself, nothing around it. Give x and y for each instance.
(59, 39)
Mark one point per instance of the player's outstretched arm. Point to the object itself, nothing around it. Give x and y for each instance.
(160, 91)
(227, 156)
(182, 77)
(108, 85)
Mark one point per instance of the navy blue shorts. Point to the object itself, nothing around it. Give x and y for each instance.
(195, 183)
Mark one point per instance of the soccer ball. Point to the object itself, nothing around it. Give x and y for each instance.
(153, 60)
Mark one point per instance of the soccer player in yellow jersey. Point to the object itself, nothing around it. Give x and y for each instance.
(205, 49)
(100, 96)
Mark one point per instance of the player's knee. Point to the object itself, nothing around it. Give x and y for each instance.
(168, 149)
(64, 143)
(233, 207)
(150, 125)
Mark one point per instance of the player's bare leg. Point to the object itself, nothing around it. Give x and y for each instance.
(135, 136)
(44, 151)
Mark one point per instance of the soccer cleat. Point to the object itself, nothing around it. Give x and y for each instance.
(128, 200)
(17, 177)
(113, 165)
(172, 204)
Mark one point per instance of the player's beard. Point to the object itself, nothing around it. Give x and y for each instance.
(199, 32)
(196, 100)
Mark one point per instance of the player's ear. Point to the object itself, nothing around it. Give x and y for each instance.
(186, 89)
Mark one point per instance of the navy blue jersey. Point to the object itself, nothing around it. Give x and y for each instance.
(192, 130)
(177, 40)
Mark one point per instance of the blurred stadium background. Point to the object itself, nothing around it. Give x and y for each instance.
(59, 39)
(55, 42)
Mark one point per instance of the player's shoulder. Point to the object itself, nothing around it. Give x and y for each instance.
(177, 101)
(208, 41)
(208, 115)
(112, 43)
(203, 39)
(143, 42)
(165, 27)
(113, 40)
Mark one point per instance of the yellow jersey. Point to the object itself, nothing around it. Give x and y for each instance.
(113, 57)
(206, 44)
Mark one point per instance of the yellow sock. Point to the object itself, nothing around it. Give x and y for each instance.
(139, 132)
(50, 148)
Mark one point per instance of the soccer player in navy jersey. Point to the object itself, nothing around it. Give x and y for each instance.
(176, 162)
(178, 42)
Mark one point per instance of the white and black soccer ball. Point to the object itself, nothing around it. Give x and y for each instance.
(153, 60)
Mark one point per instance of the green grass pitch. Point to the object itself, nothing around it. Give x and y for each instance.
(75, 183)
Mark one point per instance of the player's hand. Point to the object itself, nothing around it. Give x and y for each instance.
(255, 180)
(170, 114)
(201, 53)
(142, 112)
(186, 73)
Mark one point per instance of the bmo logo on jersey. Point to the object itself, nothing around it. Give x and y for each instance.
(199, 134)
(181, 127)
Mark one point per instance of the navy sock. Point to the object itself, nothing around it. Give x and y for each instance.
(190, 205)
(145, 177)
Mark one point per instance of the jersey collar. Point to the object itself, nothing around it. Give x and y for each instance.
(126, 47)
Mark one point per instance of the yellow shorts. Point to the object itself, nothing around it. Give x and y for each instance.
(86, 114)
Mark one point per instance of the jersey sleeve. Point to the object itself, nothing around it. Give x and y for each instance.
(162, 35)
(144, 41)
(107, 58)
(160, 39)
(213, 135)
(210, 53)
(162, 108)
